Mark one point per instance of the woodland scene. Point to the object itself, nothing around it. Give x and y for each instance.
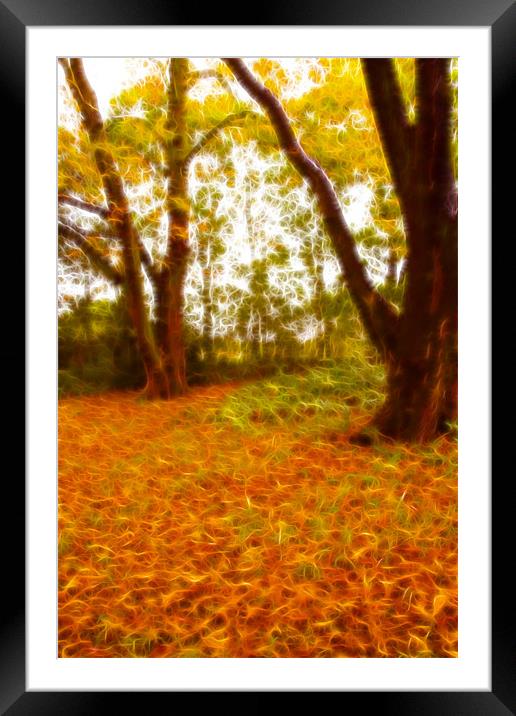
(258, 318)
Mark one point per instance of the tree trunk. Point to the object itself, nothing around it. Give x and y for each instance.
(421, 391)
(157, 385)
(449, 328)
(422, 388)
(422, 369)
(423, 372)
(175, 337)
(171, 300)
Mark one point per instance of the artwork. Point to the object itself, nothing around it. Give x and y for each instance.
(257, 305)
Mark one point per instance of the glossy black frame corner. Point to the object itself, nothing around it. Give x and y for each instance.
(15, 16)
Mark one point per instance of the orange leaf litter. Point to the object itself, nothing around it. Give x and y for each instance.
(182, 536)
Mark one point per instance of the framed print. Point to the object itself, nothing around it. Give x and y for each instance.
(250, 542)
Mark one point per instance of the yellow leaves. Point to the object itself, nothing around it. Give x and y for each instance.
(264, 67)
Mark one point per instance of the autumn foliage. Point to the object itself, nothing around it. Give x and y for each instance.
(239, 521)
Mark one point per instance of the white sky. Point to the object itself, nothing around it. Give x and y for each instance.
(108, 76)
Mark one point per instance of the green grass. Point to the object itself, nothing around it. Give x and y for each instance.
(327, 391)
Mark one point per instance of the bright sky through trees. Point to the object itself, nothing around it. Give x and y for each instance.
(109, 75)
(252, 219)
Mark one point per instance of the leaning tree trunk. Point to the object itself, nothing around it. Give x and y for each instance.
(119, 218)
(422, 367)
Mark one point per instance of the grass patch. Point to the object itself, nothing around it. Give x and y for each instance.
(323, 392)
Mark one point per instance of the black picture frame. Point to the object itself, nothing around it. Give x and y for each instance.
(15, 17)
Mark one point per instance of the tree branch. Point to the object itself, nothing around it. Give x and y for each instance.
(433, 127)
(146, 259)
(213, 132)
(82, 241)
(378, 316)
(109, 233)
(64, 198)
(197, 75)
(396, 134)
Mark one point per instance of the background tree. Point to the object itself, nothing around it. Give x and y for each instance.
(118, 218)
(168, 153)
(419, 345)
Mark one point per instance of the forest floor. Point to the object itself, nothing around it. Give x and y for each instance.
(239, 521)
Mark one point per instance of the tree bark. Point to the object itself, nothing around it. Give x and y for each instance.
(423, 374)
